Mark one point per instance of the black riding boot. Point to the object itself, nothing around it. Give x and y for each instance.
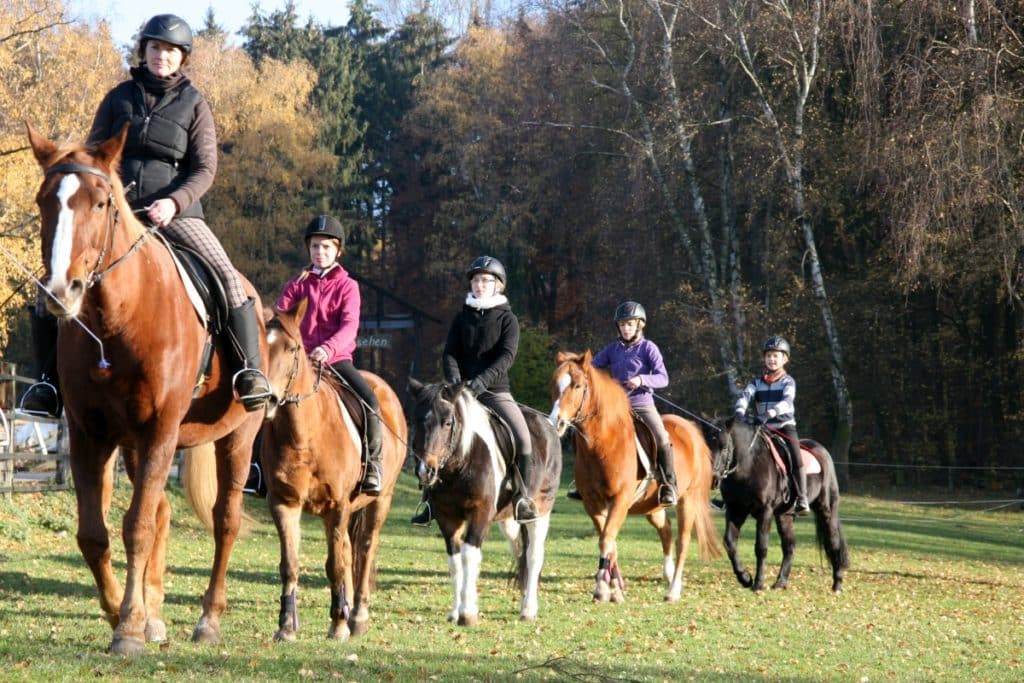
(43, 398)
(250, 384)
(801, 507)
(423, 514)
(523, 507)
(374, 466)
(667, 465)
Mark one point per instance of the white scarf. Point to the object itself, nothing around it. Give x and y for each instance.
(484, 304)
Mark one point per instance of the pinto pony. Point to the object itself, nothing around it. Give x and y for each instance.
(310, 452)
(462, 451)
(130, 359)
(753, 484)
(613, 484)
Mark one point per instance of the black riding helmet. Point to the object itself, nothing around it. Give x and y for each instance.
(630, 310)
(486, 264)
(328, 226)
(777, 344)
(169, 28)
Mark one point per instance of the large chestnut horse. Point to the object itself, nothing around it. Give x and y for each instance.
(610, 480)
(131, 377)
(310, 452)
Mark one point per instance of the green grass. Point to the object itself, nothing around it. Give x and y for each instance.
(932, 595)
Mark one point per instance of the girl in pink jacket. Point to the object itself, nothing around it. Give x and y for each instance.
(331, 324)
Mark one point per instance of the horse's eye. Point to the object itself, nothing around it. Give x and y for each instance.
(100, 205)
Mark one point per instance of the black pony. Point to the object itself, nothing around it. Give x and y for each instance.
(462, 451)
(753, 484)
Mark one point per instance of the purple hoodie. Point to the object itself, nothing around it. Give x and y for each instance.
(639, 359)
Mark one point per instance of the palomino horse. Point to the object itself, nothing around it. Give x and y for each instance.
(752, 483)
(612, 483)
(153, 397)
(462, 454)
(310, 453)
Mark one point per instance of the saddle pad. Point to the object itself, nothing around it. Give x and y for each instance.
(810, 463)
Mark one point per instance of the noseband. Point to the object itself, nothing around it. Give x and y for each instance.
(96, 275)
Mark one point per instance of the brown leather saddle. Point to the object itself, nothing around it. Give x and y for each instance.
(354, 405)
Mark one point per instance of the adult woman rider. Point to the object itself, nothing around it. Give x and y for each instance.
(168, 164)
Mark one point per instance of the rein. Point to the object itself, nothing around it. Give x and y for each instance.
(293, 375)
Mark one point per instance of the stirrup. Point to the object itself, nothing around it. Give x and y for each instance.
(43, 400)
(257, 399)
(667, 495)
(422, 515)
(372, 470)
(524, 510)
(801, 508)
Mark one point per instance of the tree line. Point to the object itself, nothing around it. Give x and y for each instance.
(843, 173)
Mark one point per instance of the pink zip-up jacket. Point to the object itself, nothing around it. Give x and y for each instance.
(332, 318)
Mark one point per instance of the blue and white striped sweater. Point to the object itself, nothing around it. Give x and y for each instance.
(775, 402)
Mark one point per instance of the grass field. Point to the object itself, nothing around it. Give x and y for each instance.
(932, 595)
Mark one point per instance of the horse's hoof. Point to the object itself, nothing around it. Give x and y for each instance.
(156, 631)
(672, 597)
(746, 580)
(359, 628)
(525, 616)
(617, 596)
(204, 633)
(127, 647)
(339, 632)
(837, 588)
(779, 586)
(284, 636)
(469, 620)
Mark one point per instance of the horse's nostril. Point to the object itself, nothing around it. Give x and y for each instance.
(76, 287)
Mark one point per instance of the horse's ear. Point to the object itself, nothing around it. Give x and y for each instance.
(268, 314)
(587, 357)
(110, 151)
(414, 387)
(563, 356)
(42, 147)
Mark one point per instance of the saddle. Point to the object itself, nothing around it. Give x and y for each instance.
(507, 445)
(205, 289)
(352, 403)
(780, 454)
(647, 448)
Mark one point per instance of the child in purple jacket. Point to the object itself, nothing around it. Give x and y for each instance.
(636, 363)
(331, 323)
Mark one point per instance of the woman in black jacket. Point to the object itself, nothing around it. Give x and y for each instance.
(168, 164)
(482, 344)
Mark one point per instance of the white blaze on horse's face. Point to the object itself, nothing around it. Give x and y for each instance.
(63, 235)
(556, 419)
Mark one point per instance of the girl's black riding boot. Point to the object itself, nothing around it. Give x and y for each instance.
(374, 466)
(43, 397)
(249, 382)
(667, 465)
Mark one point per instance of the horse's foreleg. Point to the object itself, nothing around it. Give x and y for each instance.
(685, 516)
(733, 524)
(469, 611)
(453, 546)
(92, 468)
(784, 523)
(764, 529)
(606, 588)
(156, 628)
(234, 453)
(339, 572)
(287, 519)
(141, 534)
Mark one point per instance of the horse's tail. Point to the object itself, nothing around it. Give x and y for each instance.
(523, 542)
(360, 527)
(698, 494)
(837, 550)
(199, 478)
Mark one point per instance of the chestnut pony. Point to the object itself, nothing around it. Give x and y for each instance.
(150, 398)
(311, 455)
(611, 482)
